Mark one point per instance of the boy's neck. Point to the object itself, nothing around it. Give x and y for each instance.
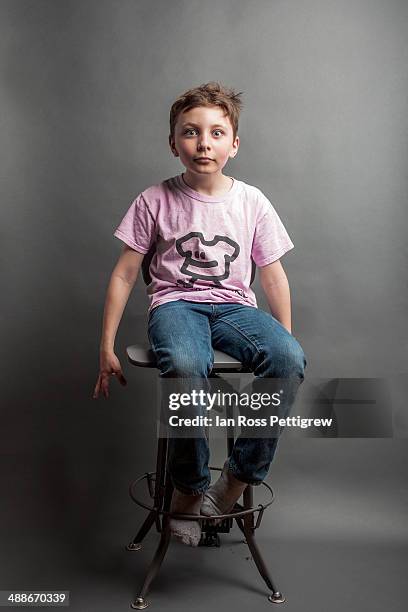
(209, 185)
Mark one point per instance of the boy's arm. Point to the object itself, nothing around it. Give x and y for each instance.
(275, 284)
(122, 279)
(121, 283)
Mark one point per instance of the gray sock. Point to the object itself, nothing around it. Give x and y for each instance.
(187, 532)
(220, 498)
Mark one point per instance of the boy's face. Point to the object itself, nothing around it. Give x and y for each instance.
(204, 132)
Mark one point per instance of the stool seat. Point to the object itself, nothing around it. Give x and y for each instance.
(144, 357)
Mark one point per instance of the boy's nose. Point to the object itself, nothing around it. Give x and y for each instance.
(203, 144)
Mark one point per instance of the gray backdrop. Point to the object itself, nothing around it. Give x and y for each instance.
(86, 88)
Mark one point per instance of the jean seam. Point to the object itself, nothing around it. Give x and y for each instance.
(243, 334)
(152, 345)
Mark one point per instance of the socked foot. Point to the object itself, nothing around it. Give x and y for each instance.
(221, 497)
(187, 532)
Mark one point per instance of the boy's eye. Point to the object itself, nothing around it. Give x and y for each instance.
(189, 130)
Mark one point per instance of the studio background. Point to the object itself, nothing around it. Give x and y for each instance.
(86, 89)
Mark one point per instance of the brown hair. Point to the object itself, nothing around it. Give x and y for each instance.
(208, 94)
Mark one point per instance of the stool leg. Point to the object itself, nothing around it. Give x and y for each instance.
(136, 543)
(140, 602)
(160, 478)
(248, 527)
(153, 515)
(240, 524)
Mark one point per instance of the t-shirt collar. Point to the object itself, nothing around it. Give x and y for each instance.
(196, 195)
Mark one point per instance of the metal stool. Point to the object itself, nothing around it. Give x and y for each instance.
(160, 489)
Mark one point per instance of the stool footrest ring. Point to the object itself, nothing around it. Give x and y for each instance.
(148, 476)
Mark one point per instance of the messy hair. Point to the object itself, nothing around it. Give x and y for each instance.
(208, 94)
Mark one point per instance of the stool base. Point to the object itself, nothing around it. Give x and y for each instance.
(159, 515)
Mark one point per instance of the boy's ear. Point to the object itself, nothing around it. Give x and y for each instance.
(235, 147)
(172, 146)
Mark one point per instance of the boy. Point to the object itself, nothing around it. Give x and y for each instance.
(207, 226)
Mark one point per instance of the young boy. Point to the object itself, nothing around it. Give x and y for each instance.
(206, 226)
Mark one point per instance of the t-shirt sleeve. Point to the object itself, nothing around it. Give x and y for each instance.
(137, 228)
(271, 240)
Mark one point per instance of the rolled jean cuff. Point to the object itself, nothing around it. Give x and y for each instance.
(235, 472)
(186, 491)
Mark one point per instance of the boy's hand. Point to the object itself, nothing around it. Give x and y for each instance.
(109, 366)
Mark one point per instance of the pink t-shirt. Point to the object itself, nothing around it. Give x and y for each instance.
(204, 244)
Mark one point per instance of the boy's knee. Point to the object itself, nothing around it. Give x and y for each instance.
(287, 360)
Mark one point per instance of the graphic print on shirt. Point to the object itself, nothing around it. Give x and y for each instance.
(206, 259)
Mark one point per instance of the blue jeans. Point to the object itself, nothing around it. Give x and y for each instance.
(182, 335)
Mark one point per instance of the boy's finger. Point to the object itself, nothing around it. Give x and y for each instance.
(105, 386)
(121, 378)
(97, 386)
